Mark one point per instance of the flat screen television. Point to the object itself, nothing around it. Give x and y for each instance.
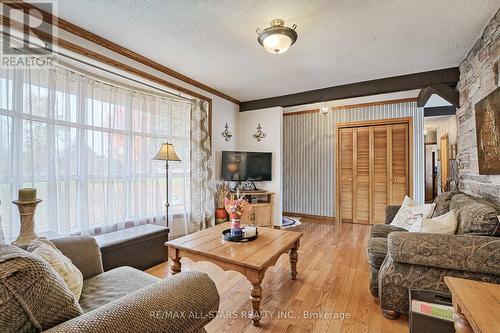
(246, 166)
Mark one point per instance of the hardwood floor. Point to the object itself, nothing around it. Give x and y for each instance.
(332, 281)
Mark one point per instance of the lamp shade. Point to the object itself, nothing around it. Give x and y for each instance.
(167, 153)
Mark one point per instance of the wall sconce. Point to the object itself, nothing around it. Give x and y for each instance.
(226, 134)
(452, 151)
(324, 109)
(259, 135)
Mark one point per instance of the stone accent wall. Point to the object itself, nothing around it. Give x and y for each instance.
(479, 74)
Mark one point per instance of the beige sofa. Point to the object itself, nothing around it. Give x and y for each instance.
(120, 300)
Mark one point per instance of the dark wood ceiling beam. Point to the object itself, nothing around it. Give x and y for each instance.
(96, 39)
(448, 77)
(442, 90)
(440, 111)
(423, 96)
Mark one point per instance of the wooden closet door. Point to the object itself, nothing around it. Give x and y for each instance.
(361, 179)
(380, 183)
(346, 173)
(398, 163)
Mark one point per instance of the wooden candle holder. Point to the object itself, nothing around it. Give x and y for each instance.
(27, 230)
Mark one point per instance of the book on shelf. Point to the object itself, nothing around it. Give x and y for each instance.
(440, 311)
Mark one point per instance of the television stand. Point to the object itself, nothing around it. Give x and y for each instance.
(262, 202)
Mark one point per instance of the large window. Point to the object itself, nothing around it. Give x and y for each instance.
(87, 147)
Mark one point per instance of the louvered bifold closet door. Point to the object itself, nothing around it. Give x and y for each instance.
(381, 176)
(361, 179)
(373, 171)
(346, 173)
(398, 163)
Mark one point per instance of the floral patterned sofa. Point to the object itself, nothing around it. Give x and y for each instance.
(400, 260)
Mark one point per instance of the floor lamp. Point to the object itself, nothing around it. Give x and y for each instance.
(167, 153)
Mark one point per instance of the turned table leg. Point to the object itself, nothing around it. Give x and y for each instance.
(462, 325)
(175, 267)
(255, 279)
(294, 257)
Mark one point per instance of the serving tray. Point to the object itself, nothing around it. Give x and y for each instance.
(226, 235)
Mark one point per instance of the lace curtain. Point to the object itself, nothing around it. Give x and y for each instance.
(202, 180)
(87, 147)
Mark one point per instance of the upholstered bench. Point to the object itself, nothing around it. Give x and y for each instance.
(140, 247)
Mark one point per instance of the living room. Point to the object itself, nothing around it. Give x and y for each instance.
(220, 166)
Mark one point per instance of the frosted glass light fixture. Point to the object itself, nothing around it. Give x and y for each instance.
(277, 38)
(324, 109)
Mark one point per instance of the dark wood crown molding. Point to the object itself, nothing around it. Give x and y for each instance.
(96, 39)
(448, 77)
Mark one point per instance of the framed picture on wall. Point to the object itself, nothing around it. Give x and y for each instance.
(488, 133)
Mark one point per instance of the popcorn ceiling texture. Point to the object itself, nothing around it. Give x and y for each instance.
(479, 74)
(340, 41)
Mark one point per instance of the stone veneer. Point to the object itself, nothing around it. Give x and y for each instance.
(479, 74)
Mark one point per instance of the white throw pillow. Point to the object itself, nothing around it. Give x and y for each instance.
(409, 212)
(444, 224)
(60, 263)
(425, 210)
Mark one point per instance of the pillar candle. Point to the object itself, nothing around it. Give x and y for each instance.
(250, 231)
(27, 194)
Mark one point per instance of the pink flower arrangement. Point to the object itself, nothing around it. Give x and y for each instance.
(236, 208)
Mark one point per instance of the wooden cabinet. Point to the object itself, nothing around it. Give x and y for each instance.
(373, 169)
(262, 208)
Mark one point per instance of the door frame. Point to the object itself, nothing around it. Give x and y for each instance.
(444, 159)
(390, 121)
(434, 189)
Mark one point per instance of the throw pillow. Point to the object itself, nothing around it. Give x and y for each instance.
(60, 263)
(33, 296)
(444, 224)
(409, 212)
(425, 210)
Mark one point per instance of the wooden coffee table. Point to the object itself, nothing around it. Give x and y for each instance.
(250, 259)
(476, 303)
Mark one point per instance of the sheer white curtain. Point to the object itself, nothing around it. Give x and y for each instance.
(87, 147)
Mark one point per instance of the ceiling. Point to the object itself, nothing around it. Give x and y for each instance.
(340, 41)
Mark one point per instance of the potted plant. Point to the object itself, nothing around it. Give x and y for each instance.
(222, 189)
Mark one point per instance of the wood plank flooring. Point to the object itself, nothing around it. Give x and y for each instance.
(332, 281)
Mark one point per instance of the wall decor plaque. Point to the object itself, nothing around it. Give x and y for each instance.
(488, 133)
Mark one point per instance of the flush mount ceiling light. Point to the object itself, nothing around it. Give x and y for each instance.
(277, 38)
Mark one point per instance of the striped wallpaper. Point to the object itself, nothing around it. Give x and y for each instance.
(309, 155)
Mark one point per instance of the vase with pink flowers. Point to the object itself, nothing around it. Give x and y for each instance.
(237, 208)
